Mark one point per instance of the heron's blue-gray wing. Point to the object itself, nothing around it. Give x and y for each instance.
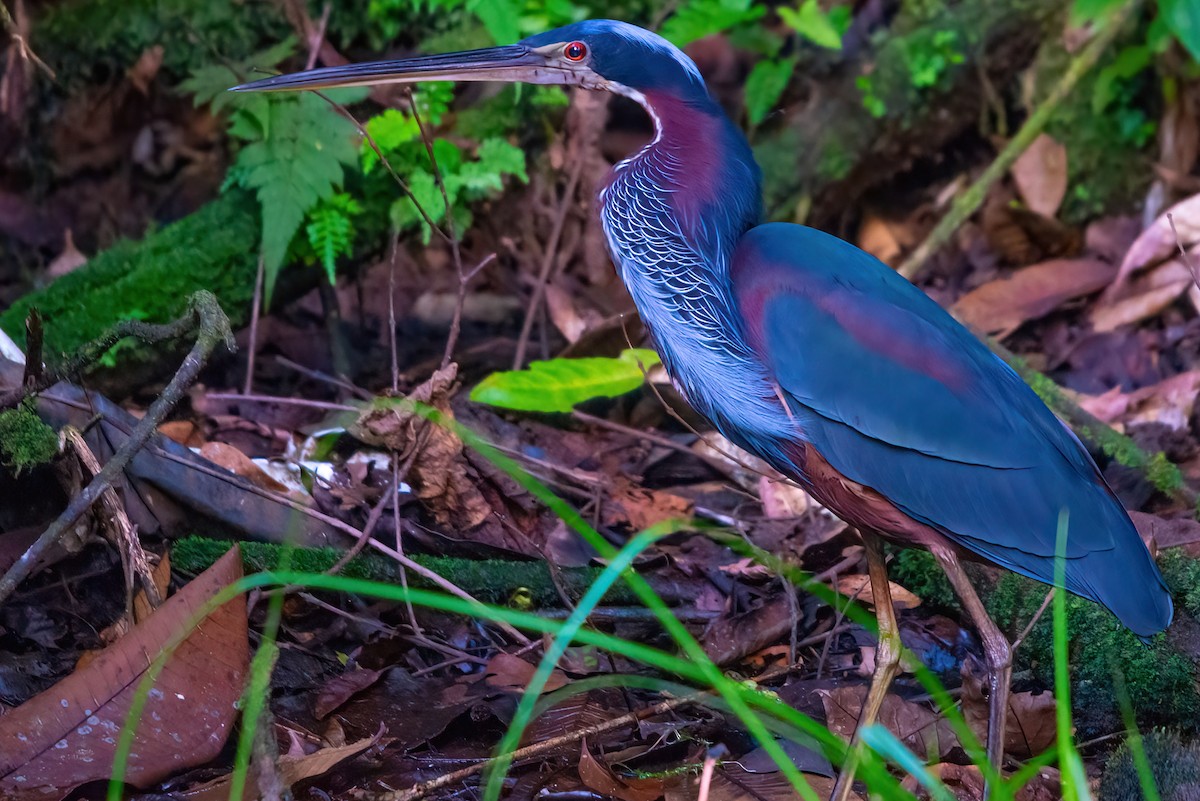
(897, 396)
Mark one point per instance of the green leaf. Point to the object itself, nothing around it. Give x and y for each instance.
(765, 85)
(209, 84)
(813, 24)
(1183, 18)
(331, 230)
(700, 18)
(1129, 62)
(294, 168)
(500, 17)
(559, 384)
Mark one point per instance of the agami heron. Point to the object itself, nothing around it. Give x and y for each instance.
(820, 359)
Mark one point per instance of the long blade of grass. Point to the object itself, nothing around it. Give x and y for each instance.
(879, 739)
(494, 777)
(1074, 777)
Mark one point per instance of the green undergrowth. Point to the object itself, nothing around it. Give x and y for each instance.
(1160, 680)
(489, 580)
(149, 280)
(1174, 764)
(25, 441)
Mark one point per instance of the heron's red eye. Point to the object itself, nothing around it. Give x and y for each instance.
(575, 51)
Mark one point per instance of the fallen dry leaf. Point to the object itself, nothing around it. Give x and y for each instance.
(1040, 174)
(514, 673)
(878, 237)
(1001, 306)
(69, 260)
(1170, 402)
(66, 736)
(1145, 297)
(922, 731)
(238, 463)
(641, 508)
(1158, 242)
(858, 586)
(600, 777)
(1030, 728)
(341, 689)
(439, 473)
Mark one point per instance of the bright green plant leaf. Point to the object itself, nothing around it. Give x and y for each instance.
(700, 18)
(500, 17)
(331, 230)
(1183, 18)
(813, 24)
(559, 384)
(1088, 11)
(765, 85)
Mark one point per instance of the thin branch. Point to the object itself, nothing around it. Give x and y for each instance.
(255, 311)
(213, 329)
(455, 251)
(549, 257)
(969, 201)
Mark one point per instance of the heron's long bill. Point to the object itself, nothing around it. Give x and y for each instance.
(510, 63)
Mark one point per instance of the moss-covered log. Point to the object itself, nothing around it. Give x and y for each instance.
(919, 84)
(213, 249)
(496, 581)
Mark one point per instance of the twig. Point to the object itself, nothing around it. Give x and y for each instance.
(549, 257)
(521, 754)
(1183, 254)
(256, 303)
(455, 250)
(348, 530)
(969, 201)
(1033, 622)
(92, 351)
(213, 329)
(314, 44)
(24, 51)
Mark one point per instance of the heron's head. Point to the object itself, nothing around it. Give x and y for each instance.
(595, 54)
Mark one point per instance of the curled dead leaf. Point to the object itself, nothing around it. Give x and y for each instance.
(1001, 306)
(923, 732)
(858, 586)
(1146, 297)
(439, 473)
(1030, 729)
(1158, 242)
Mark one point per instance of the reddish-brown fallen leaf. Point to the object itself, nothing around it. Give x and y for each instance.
(291, 769)
(341, 689)
(1169, 402)
(600, 777)
(922, 731)
(1158, 242)
(1001, 306)
(513, 673)
(1030, 729)
(67, 735)
(1040, 174)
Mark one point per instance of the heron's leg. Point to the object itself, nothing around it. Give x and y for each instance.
(887, 658)
(996, 649)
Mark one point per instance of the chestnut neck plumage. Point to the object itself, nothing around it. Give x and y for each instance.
(673, 215)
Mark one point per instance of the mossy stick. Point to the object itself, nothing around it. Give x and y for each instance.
(213, 329)
(969, 201)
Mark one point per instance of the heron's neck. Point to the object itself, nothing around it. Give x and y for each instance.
(673, 215)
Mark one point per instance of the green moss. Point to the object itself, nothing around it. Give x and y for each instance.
(152, 279)
(25, 441)
(1174, 765)
(918, 572)
(490, 580)
(1160, 681)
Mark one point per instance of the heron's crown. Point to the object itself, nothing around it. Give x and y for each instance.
(631, 57)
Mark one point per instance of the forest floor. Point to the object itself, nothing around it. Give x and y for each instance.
(272, 446)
